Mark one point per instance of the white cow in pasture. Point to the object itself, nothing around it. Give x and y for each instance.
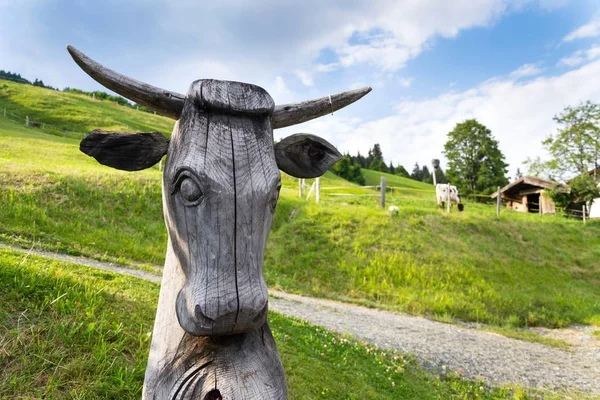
(441, 194)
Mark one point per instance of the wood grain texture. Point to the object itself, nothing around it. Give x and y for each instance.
(125, 151)
(234, 98)
(164, 102)
(182, 366)
(305, 156)
(296, 113)
(219, 238)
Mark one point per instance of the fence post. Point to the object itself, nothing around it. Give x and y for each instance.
(300, 187)
(448, 198)
(498, 202)
(27, 121)
(318, 189)
(584, 209)
(382, 197)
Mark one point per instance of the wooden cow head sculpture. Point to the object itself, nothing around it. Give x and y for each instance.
(220, 187)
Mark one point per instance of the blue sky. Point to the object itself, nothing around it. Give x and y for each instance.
(512, 65)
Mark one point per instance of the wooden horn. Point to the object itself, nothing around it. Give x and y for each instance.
(162, 101)
(296, 113)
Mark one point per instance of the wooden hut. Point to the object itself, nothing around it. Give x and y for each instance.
(526, 194)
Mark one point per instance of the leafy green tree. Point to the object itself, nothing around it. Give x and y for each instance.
(348, 170)
(475, 163)
(401, 171)
(575, 148)
(574, 154)
(391, 168)
(378, 165)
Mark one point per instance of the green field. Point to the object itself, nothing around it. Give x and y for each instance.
(516, 271)
(73, 332)
(75, 112)
(520, 270)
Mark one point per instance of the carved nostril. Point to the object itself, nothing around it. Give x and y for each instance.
(201, 318)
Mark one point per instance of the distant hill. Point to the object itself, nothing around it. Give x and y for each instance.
(76, 112)
(10, 76)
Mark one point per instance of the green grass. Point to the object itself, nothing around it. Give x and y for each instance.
(516, 271)
(76, 112)
(520, 270)
(68, 331)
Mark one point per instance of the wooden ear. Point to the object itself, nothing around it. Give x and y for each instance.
(305, 156)
(125, 151)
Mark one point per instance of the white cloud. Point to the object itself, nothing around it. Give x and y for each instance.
(305, 77)
(580, 56)
(405, 82)
(519, 114)
(526, 70)
(591, 29)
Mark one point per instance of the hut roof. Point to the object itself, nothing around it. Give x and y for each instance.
(530, 182)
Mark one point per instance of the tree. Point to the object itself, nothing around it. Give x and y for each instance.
(574, 154)
(378, 165)
(391, 168)
(440, 177)
(401, 171)
(417, 173)
(475, 163)
(425, 175)
(374, 154)
(348, 170)
(575, 149)
(518, 174)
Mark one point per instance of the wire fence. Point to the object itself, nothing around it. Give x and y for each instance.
(393, 194)
(41, 126)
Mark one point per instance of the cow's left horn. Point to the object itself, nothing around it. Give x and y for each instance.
(162, 101)
(296, 113)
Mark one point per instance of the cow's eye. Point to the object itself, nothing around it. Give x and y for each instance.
(188, 188)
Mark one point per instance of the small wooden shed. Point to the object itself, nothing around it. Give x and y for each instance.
(526, 194)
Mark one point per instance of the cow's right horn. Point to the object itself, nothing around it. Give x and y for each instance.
(162, 101)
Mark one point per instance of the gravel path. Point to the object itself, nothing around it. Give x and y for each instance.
(443, 347)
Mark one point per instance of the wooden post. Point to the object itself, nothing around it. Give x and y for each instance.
(584, 213)
(435, 163)
(318, 189)
(382, 196)
(211, 338)
(27, 121)
(498, 202)
(300, 187)
(94, 96)
(448, 198)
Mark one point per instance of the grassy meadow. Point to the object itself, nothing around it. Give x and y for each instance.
(519, 270)
(76, 112)
(71, 332)
(68, 331)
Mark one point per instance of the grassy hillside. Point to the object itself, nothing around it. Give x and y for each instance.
(72, 332)
(76, 112)
(518, 270)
